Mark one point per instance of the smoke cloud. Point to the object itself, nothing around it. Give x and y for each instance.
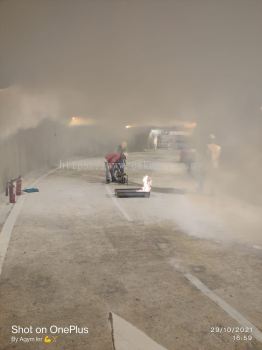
(136, 62)
(21, 110)
(127, 62)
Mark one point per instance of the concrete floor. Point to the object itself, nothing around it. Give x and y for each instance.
(76, 254)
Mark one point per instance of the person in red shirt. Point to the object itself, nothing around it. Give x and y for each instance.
(114, 161)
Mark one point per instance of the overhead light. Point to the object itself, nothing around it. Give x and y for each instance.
(190, 125)
(78, 121)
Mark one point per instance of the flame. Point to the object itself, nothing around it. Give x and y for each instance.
(147, 184)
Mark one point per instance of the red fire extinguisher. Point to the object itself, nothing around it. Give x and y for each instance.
(18, 187)
(6, 189)
(11, 192)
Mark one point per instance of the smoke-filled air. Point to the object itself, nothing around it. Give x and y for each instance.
(130, 132)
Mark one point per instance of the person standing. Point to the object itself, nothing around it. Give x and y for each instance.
(213, 157)
(214, 152)
(155, 142)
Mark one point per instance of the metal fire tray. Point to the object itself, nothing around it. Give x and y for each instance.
(131, 193)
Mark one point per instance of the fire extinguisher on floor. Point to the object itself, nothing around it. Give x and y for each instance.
(11, 192)
(18, 187)
(6, 189)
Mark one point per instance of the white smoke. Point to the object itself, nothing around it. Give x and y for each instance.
(21, 109)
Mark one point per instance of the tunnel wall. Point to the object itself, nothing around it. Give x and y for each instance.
(44, 146)
(28, 150)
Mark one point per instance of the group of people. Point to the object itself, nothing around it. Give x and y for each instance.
(201, 165)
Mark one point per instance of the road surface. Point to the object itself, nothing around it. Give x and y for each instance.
(174, 266)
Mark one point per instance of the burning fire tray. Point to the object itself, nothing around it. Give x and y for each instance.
(131, 193)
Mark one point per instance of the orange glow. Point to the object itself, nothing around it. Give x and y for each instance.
(190, 125)
(78, 121)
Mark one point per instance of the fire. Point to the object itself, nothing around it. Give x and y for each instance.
(147, 184)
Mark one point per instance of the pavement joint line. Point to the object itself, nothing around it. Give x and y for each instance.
(176, 264)
(117, 204)
(224, 305)
(9, 224)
